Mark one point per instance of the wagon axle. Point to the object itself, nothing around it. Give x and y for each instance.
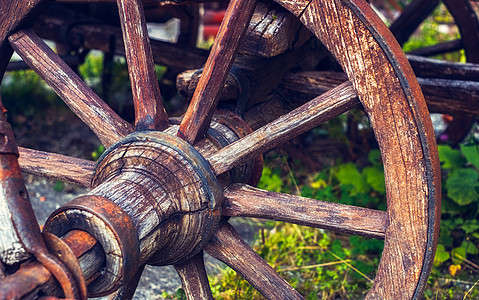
(155, 200)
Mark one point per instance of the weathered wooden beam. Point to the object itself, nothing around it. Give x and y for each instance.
(451, 96)
(443, 69)
(272, 31)
(256, 77)
(442, 95)
(247, 201)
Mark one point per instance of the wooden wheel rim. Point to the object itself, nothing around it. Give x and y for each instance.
(360, 42)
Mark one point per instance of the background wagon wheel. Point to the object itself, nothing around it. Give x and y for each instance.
(380, 76)
(467, 22)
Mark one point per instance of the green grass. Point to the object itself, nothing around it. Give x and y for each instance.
(326, 265)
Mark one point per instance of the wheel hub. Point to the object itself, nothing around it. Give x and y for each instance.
(154, 200)
(167, 188)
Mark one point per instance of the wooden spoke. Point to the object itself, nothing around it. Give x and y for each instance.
(194, 278)
(12, 17)
(303, 118)
(104, 122)
(227, 246)
(149, 110)
(466, 20)
(246, 201)
(207, 94)
(56, 166)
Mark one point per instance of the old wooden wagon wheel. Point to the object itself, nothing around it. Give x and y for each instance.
(156, 199)
(467, 22)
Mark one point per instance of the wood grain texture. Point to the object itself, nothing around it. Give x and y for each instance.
(392, 98)
(263, 75)
(164, 185)
(194, 278)
(453, 97)
(246, 201)
(313, 113)
(104, 122)
(207, 94)
(227, 246)
(272, 31)
(149, 110)
(127, 291)
(56, 166)
(447, 96)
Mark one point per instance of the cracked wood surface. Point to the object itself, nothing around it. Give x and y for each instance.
(305, 117)
(194, 278)
(149, 110)
(208, 92)
(56, 166)
(272, 31)
(448, 96)
(393, 101)
(11, 17)
(246, 201)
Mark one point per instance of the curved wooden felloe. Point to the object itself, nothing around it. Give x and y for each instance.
(390, 95)
(154, 179)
